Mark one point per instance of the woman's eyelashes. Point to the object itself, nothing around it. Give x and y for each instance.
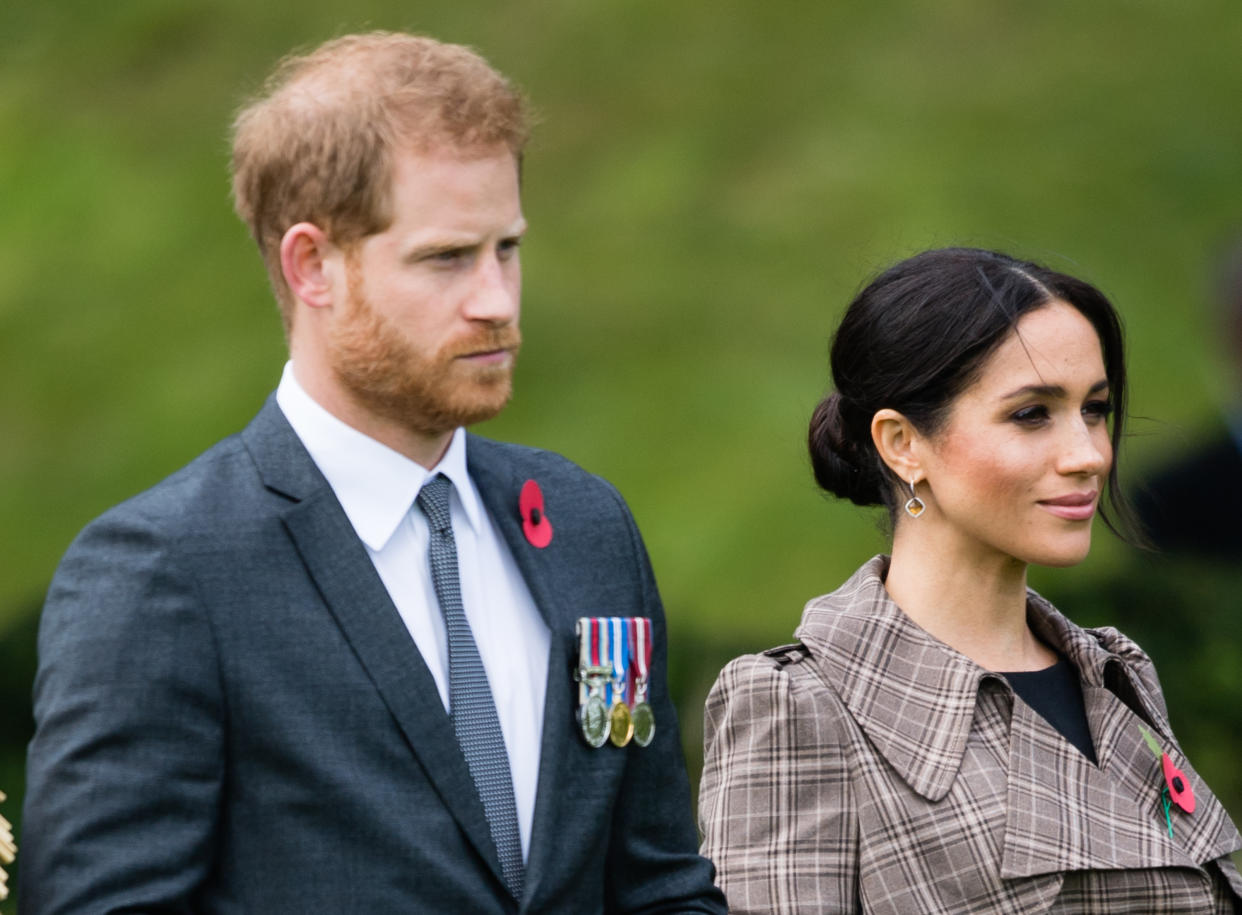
(1040, 414)
(1098, 409)
(1034, 415)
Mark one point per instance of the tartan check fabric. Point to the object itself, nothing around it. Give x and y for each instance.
(871, 768)
(470, 698)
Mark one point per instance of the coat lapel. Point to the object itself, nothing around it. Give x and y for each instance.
(340, 567)
(882, 666)
(1067, 814)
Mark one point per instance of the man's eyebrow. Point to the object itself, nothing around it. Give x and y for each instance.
(1050, 390)
(440, 248)
(462, 243)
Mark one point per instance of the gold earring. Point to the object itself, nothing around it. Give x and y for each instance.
(914, 505)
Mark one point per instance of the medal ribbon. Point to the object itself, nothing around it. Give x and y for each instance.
(621, 643)
(631, 678)
(592, 652)
(620, 659)
(642, 655)
(602, 652)
(584, 657)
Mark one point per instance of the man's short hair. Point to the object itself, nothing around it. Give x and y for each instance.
(317, 144)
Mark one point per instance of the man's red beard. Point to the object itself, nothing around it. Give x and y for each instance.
(427, 394)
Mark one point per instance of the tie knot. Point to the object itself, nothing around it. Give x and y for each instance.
(433, 499)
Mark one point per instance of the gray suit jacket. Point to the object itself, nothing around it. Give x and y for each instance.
(233, 718)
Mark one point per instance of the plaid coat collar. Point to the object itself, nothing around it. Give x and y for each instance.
(917, 700)
(913, 695)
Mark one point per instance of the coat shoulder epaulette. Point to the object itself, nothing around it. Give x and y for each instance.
(784, 655)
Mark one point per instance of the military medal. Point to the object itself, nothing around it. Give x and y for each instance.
(640, 653)
(620, 724)
(613, 674)
(592, 675)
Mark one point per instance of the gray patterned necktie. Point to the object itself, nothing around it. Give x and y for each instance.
(470, 698)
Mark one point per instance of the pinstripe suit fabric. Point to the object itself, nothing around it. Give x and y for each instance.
(872, 768)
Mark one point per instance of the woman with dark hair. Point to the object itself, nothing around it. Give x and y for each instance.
(940, 738)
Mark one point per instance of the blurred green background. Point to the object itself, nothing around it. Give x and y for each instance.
(709, 185)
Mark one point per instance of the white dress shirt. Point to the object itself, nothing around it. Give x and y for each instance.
(377, 486)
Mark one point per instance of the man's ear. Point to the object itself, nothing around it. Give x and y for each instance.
(897, 442)
(310, 264)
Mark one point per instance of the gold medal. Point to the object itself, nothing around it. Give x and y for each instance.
(643, 721)
(621, 724)
(595, 721)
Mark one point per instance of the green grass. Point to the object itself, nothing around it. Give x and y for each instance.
(708, 187)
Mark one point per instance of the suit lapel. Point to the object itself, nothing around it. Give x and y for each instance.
(340, 567)
(500, 485)
(567, 782)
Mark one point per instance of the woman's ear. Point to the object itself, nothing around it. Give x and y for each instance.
(307, 260)
(897, 442)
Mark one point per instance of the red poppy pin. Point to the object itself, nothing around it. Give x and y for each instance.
(1177, 789)
(535, 523)
(1178, 784)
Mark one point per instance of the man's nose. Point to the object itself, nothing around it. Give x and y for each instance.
(495, 291)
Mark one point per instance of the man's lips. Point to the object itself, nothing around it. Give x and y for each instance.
(501, 356)
(1076, 506)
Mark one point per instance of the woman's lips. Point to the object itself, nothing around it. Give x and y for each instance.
(1079, 506)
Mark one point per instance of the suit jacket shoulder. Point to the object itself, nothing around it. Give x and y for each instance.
(594, 535)
(570, 486)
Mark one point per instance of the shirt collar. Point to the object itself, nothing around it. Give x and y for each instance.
(374, 484)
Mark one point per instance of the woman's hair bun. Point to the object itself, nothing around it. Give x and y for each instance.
(844, 465)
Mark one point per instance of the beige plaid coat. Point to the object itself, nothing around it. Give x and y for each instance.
(874, 769)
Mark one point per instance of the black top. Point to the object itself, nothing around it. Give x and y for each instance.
(1056, 695)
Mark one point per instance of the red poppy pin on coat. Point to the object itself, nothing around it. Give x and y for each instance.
(1178, 784)
(1176, 788)
(535, 523)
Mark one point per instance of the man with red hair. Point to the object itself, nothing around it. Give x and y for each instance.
(330, 664)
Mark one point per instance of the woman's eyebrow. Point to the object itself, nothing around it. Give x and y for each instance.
(1050, 390)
